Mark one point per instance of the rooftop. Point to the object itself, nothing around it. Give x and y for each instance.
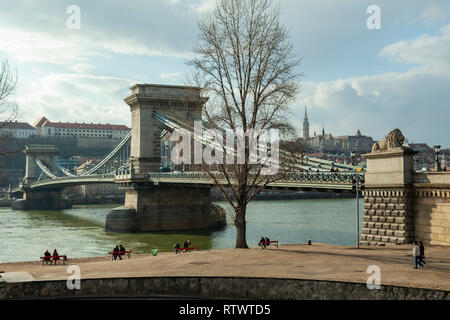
(44, 122)
(15, 125)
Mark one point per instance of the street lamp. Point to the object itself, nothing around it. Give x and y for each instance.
(357, 205)
(437, 149)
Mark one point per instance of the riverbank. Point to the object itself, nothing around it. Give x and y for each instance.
(289, 261)
(5, 202)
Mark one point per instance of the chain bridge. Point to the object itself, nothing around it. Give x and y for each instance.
(161, 200)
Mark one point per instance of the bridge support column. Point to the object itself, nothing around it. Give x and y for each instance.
(174, 101)
(41, 200)
(388, 198)
(164, 207)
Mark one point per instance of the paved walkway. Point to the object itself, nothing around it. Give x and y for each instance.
(318, 261)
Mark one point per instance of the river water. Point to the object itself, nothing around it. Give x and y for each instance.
(79, 232)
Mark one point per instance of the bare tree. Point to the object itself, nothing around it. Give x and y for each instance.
(8, 82)
(8, 111)
(246, 66)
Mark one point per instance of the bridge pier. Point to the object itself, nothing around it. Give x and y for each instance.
(41, 200)
(164, 207)
(150, 207)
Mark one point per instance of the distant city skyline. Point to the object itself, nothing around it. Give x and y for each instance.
(353, 78)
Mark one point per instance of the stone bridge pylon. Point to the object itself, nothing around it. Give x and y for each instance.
(151, 207)
(39, 160)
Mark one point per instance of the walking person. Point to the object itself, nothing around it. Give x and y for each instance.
(416, 254)
(422, 252)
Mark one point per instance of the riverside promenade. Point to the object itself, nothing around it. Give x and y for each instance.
(289, 261)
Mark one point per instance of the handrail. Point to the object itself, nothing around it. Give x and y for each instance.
(45, 169)
(110, 155)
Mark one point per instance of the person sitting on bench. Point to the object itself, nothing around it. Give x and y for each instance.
(47, 256)
(122, 249)
(55, 256)
(116, 253)
(186, 244)
(262, 243)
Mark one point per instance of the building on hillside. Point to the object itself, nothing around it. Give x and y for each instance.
(422, 148)
(86, 165)
(329, 144)
(16, 129)
(424, 160)
(70, 164)
(45, 127)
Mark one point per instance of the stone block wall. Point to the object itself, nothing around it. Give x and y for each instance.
(165, 207)
(216, 287)
(388, 217)
(432, 215)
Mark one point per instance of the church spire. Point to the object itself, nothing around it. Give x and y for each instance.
(306, 127)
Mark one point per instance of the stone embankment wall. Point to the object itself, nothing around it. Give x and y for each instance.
(387, 217)
(401, 205)
(216, 287)
(432, 207)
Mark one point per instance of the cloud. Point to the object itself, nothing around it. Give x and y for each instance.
(425, 51)
(436, 13)
(76, 97)
(416, 101)
(42, 35)
(355, 78)
(80, 67)
(169, 75)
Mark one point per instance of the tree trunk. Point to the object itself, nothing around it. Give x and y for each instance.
(241, 229)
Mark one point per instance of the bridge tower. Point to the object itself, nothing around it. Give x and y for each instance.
(151, 207)
(46, 154)
(177, 102)
(50, 199)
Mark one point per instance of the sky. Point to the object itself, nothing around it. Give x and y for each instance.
(354, 77)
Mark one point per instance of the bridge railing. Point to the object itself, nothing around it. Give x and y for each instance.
(329, 177)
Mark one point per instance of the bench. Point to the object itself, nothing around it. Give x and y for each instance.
(185, 249)
(267, 243)
(54, 258)
(120, 253)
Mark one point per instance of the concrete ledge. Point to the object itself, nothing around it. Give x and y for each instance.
(217, 287)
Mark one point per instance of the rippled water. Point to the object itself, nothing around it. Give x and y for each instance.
(79, 232)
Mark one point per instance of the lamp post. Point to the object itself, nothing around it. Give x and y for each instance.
(352, 155)
(166, 164)
(437, 149)
(357, 207)
(116, 166)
